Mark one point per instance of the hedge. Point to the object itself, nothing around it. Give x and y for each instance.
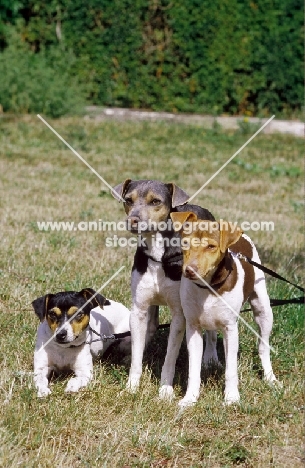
(226, 56)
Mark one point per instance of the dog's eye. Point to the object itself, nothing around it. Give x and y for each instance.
(52, 316)
(128, 201)
(155, 201)
(80, 316)
(210, 246)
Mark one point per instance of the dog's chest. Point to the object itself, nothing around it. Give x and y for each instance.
(154, 287)
(152, 282)
(212, 311)
(64, 359)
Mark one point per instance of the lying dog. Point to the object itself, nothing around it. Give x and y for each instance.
(209, 254)
(69, 335)
(156, 272)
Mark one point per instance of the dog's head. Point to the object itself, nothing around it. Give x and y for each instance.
(148, 202)
(204, 243)
(68, 313)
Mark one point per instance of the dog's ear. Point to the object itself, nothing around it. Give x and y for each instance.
(228, 236)
(40, 306)
(119, 191)
(97, 300)
(182, 217)
(179, 196)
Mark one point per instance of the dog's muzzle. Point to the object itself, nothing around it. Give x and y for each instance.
(190, 272)
(61, 337)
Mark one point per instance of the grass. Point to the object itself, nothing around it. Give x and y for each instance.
(104, 425)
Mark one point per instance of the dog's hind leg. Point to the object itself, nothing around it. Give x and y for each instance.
(230, 339)
(263, 316)
(210, 351)
(152, 322)
(176, 333)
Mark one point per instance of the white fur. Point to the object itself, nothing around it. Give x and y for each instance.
(114, 318)
(154, 288)
(202, 309)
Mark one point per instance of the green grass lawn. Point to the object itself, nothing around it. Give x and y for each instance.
(104, 426)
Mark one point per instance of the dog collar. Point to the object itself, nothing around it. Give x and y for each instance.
(77, 345)
(202, 286)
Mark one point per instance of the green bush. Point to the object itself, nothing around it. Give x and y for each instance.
(39, 82)
(234, 56)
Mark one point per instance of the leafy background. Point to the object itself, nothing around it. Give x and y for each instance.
(226, 56)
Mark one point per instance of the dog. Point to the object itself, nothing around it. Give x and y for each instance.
(70, 334)
(209, 252)
(156, 272)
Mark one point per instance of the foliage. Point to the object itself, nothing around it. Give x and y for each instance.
(234, 56)
(38, 82)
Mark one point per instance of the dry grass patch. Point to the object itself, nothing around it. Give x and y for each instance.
(104, 425)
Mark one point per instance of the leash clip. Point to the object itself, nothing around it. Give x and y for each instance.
(239, 255)
(107, 338)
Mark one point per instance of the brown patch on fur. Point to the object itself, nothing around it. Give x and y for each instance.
(72, 311)
(249, 279)
(53, 323)
(80, 321)
(134, 196)
(225, 277)
(79, 325)
(244, 247)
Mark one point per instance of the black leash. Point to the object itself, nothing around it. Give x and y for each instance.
(268, 271)
(273, 302)
(119, 336)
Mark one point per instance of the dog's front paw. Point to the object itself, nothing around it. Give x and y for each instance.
(74, 385)
(231, 398)
(166, 392)
(133, 384)
(43, 392)
(187, 401)
(271, 379)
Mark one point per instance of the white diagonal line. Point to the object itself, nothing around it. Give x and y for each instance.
(228, 305)
(81, 308)
(79, 156)
(229, 160)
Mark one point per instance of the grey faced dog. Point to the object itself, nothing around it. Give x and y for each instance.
(156, 272)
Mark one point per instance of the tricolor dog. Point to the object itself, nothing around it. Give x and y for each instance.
(70, 335)
(209, 253)
(156, 271)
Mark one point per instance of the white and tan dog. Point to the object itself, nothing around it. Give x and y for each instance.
(69, 335)
(208, 253)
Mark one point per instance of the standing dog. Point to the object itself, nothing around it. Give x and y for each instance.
(156, 272)
(209, 254)
(67, 337)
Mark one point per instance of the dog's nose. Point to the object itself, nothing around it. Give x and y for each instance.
(62, 335)
(132, 222)
(190, 271)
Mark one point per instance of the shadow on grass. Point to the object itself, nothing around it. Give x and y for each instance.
(154, 356)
